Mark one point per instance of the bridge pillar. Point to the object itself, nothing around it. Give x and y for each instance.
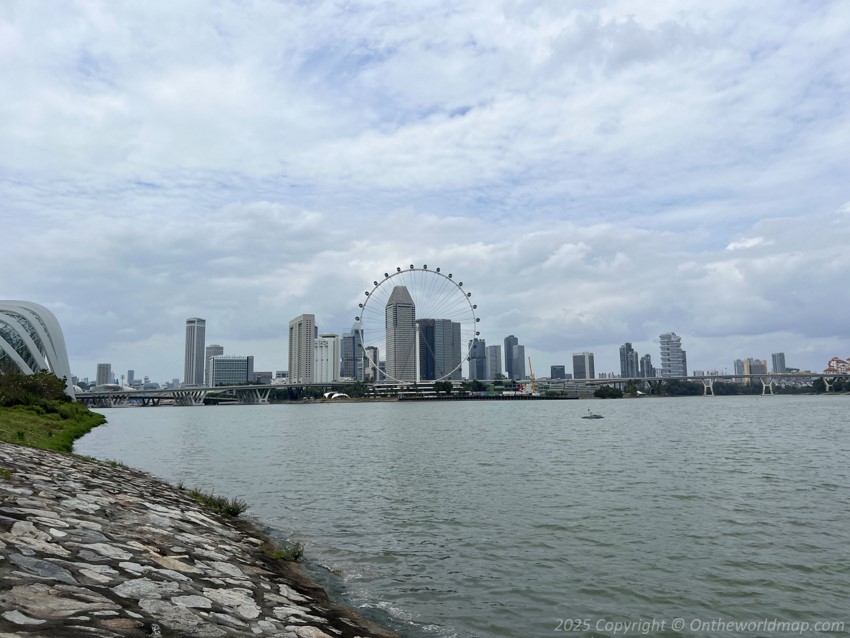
(828, 383)
(253, 395)
(767, 387)
(190, 397)
(708, 388)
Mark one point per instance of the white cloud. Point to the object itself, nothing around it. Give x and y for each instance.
(597, 171)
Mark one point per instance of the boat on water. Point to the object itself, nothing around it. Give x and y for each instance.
(592, 415)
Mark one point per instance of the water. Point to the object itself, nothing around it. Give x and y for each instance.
(521, 519)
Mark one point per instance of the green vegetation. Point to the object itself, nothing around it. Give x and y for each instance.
(608, 392)
(219, 504)
(5, 473)
(35, 411)
(445, 387)
(291, 553)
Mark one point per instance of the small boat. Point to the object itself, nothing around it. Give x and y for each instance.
(592, 415)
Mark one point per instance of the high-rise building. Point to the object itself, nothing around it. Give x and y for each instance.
(494, 361)
(210, 351)
(510, 342)
(755, 366)
(326, 358)
(131, 376)
(373, 364)
(629, 368)
(519, 362)
(779, 362)
(400, 320)
(104, 373)
(351, 352)
(674, 362)
(583, 367)
(193, 371)
(647, 370)
(302, 333)
(477, 359)
(738, 366)
(557, 372)
(439, 349)
(228, 369)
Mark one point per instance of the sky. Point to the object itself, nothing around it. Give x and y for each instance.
(596, 171)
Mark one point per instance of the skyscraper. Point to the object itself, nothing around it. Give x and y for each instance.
(557, 372)
(629, 368)
(104, 374)
(779, 362)
(372, 371)
(583, 367)
(477, 359)
(302, 333)
(351, 351)
(439, 349)
(494, 361)
(193, 371)
(210, 351)
(131, 376)
(510, 342)
(647, 370)
(401, 335)
(326, 358)
(674, 362)
(519, 362)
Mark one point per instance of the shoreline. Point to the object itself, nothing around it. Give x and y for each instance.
(90, 548)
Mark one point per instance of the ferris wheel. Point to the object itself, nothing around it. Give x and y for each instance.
(420, 321)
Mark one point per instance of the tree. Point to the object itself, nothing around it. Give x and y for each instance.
(608, 392)
(443, 386)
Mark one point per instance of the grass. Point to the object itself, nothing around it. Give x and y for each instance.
(219, 504)
(5, 473)
(50, 425)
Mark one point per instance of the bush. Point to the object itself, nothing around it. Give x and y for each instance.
(219, 504)
(31, 389)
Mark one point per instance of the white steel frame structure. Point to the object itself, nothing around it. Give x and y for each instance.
(31, 340)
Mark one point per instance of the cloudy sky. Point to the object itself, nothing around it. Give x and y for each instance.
(596, 171)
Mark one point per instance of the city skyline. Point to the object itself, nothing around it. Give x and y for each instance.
(600, 173)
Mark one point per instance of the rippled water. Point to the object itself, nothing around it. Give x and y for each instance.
(508, 518)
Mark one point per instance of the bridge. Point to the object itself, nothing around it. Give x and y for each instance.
(194, 395)
(768, 381)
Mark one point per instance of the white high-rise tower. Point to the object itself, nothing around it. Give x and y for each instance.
(196, 334)
(401, 335)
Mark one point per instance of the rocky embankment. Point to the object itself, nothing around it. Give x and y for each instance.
(91, 550)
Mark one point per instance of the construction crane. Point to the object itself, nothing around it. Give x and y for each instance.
(531, 376)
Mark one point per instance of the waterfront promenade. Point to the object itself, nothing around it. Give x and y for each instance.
(95, 550)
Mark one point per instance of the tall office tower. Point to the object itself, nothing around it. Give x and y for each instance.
(372, 370)
(131, 376)
(557, 372)
(439, 349)
(477, 359)
(779, 362)
(228, 369)
(510, 342)
(351, 352)
(104, 373)
(193, 372)
(302, 334)
(629, 368)
(738, 365)
(755, 366)
(210, 351)
(494, 361)
(647, 370)
(518, 362)
(583, 367)
(326, 358)
(674, 362)
(400, 316)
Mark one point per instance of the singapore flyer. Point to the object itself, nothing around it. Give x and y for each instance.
(416, 324)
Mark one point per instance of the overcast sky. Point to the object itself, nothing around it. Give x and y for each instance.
(596, 171)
